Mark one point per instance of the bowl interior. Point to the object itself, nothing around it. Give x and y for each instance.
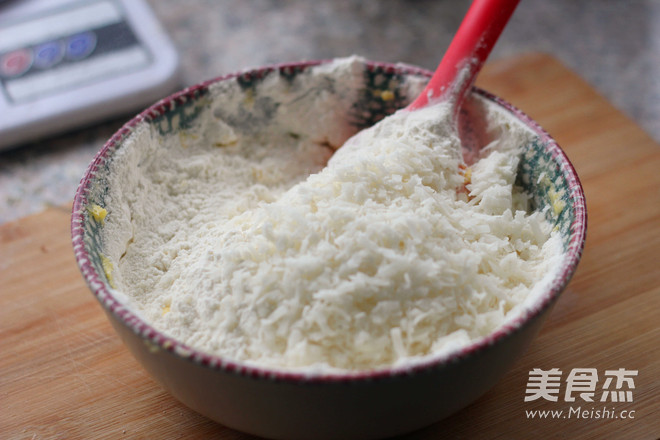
(544, 171)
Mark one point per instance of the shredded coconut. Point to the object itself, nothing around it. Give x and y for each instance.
(242, 242)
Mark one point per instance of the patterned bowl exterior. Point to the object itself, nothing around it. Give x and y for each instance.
(347, 405)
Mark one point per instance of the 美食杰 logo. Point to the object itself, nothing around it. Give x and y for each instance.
(582, 385)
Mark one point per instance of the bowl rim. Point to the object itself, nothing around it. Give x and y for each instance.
(158, 340)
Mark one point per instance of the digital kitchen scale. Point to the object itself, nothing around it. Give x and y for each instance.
(66, 63)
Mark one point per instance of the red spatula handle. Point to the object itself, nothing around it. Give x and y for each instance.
(470, 47)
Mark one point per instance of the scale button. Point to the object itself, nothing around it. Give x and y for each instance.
(80, 45)
(15, 63)
(48, 54)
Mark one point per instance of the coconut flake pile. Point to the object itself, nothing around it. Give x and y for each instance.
(382, 258)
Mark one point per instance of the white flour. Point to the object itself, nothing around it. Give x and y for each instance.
(381, 258)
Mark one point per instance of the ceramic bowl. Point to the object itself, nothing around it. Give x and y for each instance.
(363, 404)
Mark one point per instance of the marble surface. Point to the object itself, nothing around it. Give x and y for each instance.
(613, 44)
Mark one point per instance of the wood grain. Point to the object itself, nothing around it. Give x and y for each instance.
(65, 374)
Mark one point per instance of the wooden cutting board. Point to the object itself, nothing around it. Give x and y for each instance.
(65, 374)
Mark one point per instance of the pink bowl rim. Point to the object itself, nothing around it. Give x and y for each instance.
(150, 335)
